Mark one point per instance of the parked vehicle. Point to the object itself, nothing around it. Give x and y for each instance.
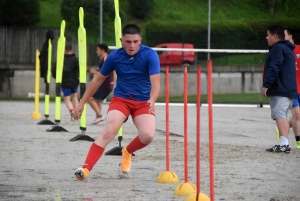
(175, 58)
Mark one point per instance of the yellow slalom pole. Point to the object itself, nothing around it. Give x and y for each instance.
(61, 43)
(118, 26)
(118, 35)
(35, 114)
(47, 96)
(82, 64)
(82, 73)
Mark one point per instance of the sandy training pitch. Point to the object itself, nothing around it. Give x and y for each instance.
(40, 165)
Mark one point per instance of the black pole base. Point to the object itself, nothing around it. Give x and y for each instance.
(56, 129)
(46, 122)
(116, 151)
(82, 137)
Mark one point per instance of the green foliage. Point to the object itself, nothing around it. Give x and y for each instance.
(234, 23)
(230, 35)
(50, 13)
(70, 10)
(140, 10)
(19, 12)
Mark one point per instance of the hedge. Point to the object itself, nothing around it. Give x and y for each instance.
(229, 35)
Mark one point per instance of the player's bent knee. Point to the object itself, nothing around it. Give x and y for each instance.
(146, 138)
(297, 116)
(108, 135)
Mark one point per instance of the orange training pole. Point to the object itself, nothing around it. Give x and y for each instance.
(210, 125)
(185, 94)
(186, 188)
(167, 176)
(198, 130)
(167, 121)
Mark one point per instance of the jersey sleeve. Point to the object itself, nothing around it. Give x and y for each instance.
(108, 66)
(274, 65)
(153, 63)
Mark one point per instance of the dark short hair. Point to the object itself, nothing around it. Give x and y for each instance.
(131, 29)
(103, 46)
(278, 30)
(290, 31)
(68, 48)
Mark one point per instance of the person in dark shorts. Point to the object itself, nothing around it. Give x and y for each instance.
(105, 89)
(70, 79)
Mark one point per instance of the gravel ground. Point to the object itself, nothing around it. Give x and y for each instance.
(40, 165)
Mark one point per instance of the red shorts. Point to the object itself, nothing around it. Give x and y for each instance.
(129, 107)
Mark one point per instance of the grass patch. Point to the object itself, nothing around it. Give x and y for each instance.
(221, 98)
(234, 10)
(252, 98)
(244, 60)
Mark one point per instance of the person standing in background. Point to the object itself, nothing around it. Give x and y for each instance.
(279, 83)
(295, 120)
(105, 89)
(70, 79)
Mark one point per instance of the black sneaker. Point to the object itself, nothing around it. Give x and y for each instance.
(280, 149)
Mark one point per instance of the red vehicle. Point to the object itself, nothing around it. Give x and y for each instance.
(175, 58)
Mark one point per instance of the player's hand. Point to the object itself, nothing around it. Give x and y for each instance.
(78, 112)
(93, 71)
(151, 106)
(264, 92)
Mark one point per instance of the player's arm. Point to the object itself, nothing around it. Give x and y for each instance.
(154, 71)
(98, 79)
(114, 76)
(154, 93)
(91, 89)
(274, 66)
(155, 89)
(93, 71)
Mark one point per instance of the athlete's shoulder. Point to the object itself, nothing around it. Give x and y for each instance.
(116, 55)
(146, 48)
(117, 52)
(297, 49)
(148, 51)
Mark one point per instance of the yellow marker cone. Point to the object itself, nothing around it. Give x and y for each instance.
(35, 114)
(185, 189)
(201, 197)
(167, 177)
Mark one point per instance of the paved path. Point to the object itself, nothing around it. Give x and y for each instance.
(40, 165)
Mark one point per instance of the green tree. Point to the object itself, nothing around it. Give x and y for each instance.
(70, 9)
(20, 12)
(273, 5)
(140, 10)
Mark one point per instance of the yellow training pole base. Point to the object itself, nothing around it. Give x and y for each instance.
(167, 177)
(185, 189)
(201, 197)
(36, 115)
